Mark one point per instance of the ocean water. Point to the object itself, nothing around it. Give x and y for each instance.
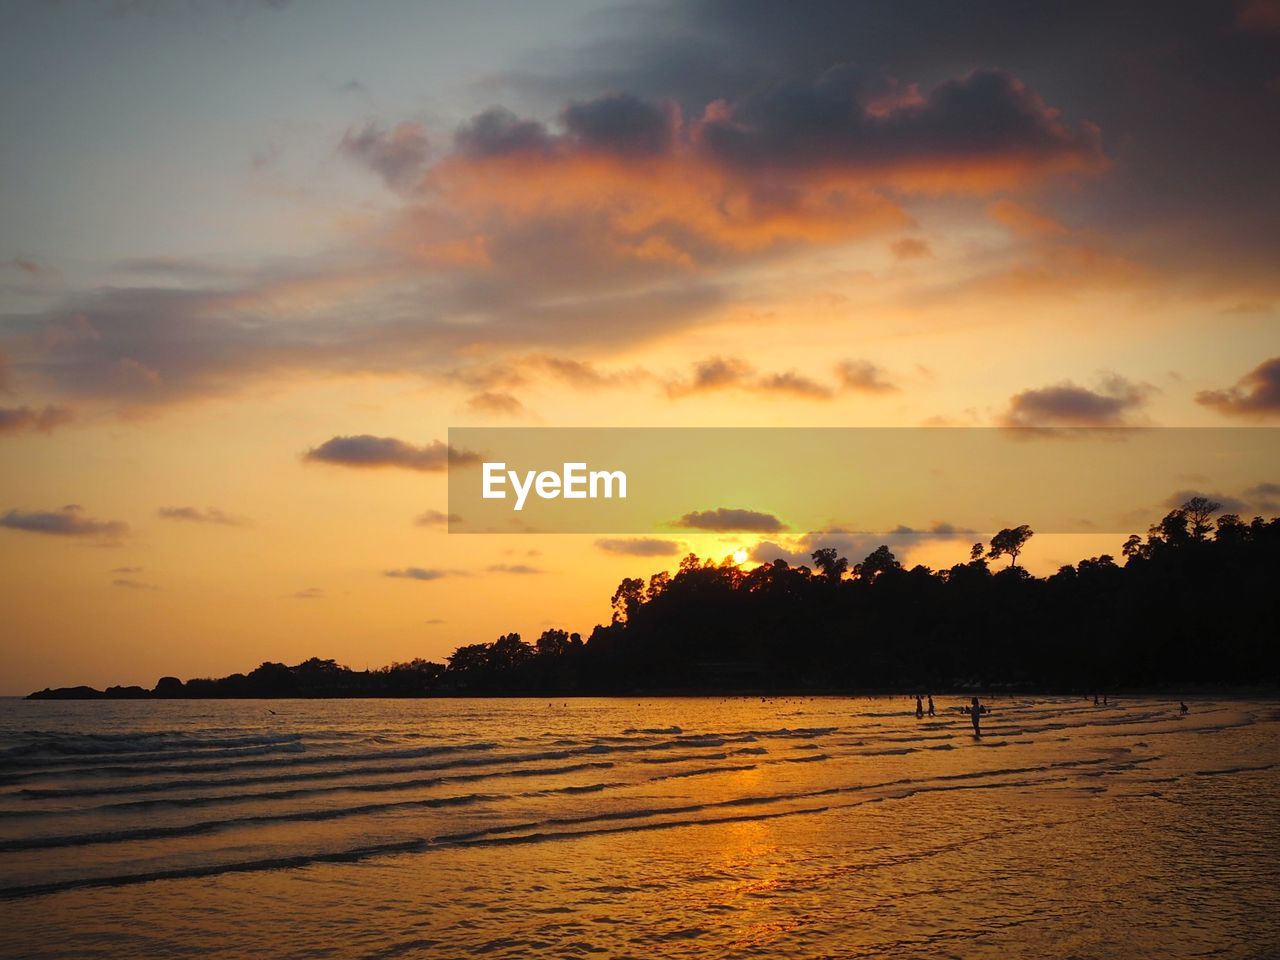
(788, 827)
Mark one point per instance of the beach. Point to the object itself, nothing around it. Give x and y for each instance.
(618, 827)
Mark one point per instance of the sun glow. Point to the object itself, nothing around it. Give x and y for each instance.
(740, 556)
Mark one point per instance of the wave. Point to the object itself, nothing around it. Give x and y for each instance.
(376, 786)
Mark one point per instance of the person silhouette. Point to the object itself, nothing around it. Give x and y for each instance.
(919, 707)
(975, 714)
(931, 705)
(1095, 699)
(1182, 707)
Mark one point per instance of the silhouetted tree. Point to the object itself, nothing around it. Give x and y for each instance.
(1010, 541)
(829, 563)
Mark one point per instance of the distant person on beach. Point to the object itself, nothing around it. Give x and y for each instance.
(975, 714)
(1095, 699)
(1182, 707)
(919, 707)
(931, 704)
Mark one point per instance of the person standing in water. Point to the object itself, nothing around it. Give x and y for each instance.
(919, 707)
(975, 715)
(931, 704)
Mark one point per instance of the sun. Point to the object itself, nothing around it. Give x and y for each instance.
(740, 555)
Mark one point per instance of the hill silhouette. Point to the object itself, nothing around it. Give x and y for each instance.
(1195, 602)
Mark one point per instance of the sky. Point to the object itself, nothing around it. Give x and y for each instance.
(256, 259)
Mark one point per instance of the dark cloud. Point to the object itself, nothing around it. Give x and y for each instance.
(369, 451)
(520, 569)
(196, 515)
(730, 519)
(420, 573)
(150, 346)
(436, 518)
(1256, 394)
(69, 521)
(850, 120)
(639, 546)
(863, 376)
(44, 420)
(498, 131)
(1068, 405)
(399, 155)
(1184, 92)
(622, 124)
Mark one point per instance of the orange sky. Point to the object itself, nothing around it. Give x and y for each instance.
(808, 232)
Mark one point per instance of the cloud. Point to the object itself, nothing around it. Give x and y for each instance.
(1065, 404)
(399, 155)
(130, 584)
(126, 569)
(1256, 394)
(855, 545)
(714, 373)
(421, 573)
(910, 248)
(639, 546)
(368, 451)
(724, 373)
(308, 593)
(28, 266)
(792, 383)
(623, 124)
(45, 420)
(1264, 497)
(496, 404)
(973, 133)
(1024, 221)
(436, 518)
(515, 568)
(731, 519)
(498, 132)
(69, 521)
(1226, 504)
(863, 376)
(195, 515)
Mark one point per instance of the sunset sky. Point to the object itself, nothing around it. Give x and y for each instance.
(233, 233)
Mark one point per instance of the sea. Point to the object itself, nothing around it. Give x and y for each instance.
(640, 827)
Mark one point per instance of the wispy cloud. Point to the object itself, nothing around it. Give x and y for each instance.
(639, 546)
(68, 521)
(210, 515)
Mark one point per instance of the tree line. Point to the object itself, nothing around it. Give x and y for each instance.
(1193, 602)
